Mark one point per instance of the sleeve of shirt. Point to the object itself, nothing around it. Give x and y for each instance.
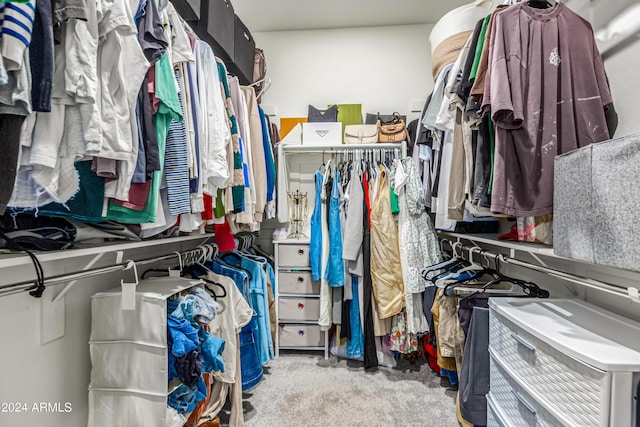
(506, 102)
(601, 76)
(355, 217)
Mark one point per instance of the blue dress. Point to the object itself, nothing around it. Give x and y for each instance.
(335, 266)
(315, 242)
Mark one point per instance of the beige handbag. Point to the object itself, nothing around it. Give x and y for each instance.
(392, 132)
(360, 134)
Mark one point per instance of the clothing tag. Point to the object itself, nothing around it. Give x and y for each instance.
(129, 296)
(174, 272)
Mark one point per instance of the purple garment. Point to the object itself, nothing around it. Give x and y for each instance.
(548, 90)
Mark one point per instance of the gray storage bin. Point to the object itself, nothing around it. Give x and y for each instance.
(595, 206)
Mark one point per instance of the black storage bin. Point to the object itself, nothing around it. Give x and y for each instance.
(188, 9)
(216, 27)
(244, 53)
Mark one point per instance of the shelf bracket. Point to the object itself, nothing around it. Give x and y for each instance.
(91, 263)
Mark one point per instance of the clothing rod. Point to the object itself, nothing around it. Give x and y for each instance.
(333, 151)
(584, 281)
(84, 274)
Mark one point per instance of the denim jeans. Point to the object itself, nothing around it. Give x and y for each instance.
(260, 302)
(250, 366)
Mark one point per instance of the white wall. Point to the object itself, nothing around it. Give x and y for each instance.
(622, 69)
(382, 68)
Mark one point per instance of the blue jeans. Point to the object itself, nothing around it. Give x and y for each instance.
(260, 302)
(250, 366)
(355, 346)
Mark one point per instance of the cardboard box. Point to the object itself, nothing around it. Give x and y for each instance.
(322, 133)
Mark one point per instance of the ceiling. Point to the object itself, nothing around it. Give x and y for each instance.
(283, 15)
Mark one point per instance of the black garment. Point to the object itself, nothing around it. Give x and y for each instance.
(611, 116)
(482, 169)
(462, 86)
(370, 355)
(412, 128)
(10, 126)
(327, 190)
(436, 181)
(423, 136)
(189, 368)
(41, 57)
(474, 376)
(466, 309)
(428, 298)
(345, 329)
(148, 131)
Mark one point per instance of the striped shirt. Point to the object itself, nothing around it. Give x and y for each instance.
(176, 162)
(16, 24)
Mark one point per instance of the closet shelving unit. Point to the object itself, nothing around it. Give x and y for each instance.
(73, 267)
(297, 296)
(541, 258)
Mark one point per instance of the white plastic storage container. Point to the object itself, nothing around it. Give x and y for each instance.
(562, 362)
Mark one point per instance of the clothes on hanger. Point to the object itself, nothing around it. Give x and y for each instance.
(165, 148)
(485, 135)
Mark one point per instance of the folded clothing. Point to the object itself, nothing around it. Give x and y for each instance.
(189, 368)
(185, 398)
(205, 306)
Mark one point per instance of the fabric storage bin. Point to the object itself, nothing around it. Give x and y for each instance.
(595, 203)
(115, 408)
(244, 50)
(217, 27)
(298, 283)
(292, 335)
(129, 354)
(293, 256)
(189, 10)
(299, 309)
(144, 324)
(127, 366)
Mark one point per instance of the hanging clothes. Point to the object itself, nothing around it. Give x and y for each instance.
(386, 267)
(315, 241)
(325, 289)
(548, 93)
(335, 267)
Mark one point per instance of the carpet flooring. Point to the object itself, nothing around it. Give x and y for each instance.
(302, 389)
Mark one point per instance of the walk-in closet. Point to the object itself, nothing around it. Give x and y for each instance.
(345, 213)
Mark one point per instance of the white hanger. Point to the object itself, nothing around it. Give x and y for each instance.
(265, 88)
(256, 83)
(479, 3)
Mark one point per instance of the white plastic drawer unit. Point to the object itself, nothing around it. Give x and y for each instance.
(298, 282)
(298, 309)
(514, 401)
(567, 360)
(293, 255)
(293, 335)
(494, 418)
